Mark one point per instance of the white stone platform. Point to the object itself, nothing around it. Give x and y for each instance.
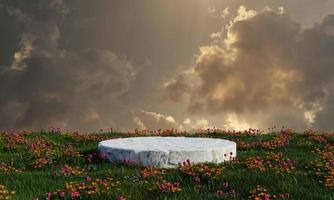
(167, 152)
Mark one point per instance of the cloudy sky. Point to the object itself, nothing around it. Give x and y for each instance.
(149, 64)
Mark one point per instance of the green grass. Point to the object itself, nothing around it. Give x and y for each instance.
(300, 183)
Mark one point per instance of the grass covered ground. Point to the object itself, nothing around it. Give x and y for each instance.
(56, 165)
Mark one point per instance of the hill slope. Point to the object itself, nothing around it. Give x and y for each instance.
(56, 165)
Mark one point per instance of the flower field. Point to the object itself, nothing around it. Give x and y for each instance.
(67, 165)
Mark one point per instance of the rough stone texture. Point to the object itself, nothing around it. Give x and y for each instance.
(166, 152)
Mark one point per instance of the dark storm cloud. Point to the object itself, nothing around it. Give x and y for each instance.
(45, 85)
(62, 63)
(268, 64)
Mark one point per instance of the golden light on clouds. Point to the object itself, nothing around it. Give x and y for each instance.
(228, 88)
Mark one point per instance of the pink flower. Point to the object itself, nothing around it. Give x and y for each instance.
(120, 198)
(89, 158)
(61, 194)
(48, 194)
(331, 163)
(88, 178)
(74, 194)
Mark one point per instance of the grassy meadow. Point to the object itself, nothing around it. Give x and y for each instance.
(67, 165)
